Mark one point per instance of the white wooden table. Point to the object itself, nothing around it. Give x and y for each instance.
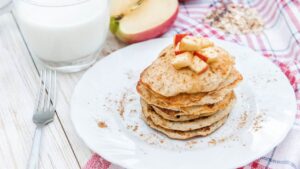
(61, 147)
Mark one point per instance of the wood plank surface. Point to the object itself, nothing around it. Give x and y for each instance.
(18, 85)
(66, 150)
(67, 83)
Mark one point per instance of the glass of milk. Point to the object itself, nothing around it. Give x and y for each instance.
(5, 6)
(64, 35)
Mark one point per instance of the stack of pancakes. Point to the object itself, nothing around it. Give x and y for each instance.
(183, 104)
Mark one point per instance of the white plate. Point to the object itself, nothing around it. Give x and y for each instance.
(260, 120)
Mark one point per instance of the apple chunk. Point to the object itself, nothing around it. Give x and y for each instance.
(198, 65)
(201, 56)
(190, 43)
(178, 37)
(144, 20)
(177, 51)
(182, 60)
(211, 53)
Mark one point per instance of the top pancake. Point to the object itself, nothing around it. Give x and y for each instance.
(162, 78)
(187, 100)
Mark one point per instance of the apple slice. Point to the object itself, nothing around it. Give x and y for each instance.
(191, 43)
(211, 53)
(201, 56)
(177, 51)
(178, 37)
(198, 65)
(127, 6)
(144, 20)
(182, 60)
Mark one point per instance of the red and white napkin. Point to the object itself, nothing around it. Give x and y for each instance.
(279, 42)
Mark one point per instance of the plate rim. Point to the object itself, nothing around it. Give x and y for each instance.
(111, 160)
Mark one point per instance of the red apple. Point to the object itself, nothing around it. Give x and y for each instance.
(138, 20)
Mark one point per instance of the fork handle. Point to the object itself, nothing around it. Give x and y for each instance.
(35, 149)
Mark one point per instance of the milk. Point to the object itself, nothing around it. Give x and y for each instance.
(5, 6)
(63, 33)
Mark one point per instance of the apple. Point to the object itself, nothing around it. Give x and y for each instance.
(191, 43)
(211, 53)
(177, 51)
(116, 9)
(201, 56)
(182, 60)
(198, 65)
(138, 20)
(178, 38)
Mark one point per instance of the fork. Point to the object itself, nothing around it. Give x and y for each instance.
(43, 112)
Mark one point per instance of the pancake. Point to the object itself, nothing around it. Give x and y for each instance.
(172, 115)
(186, 125)
(183, 135)
(162, 78)
(190, 113)
(185, 100)
(208, 109)
(233, 76)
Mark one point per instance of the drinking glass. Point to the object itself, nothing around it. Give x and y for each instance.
(64, 35)
(5, 6)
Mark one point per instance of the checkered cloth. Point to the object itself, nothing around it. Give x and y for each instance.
(279, 42)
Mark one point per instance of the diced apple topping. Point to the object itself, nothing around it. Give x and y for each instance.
(182, 60)
(201, 56)
(177, 51)
(198, 65)
(194, 52)
(190, 43)
(178, 38)
(212, 53)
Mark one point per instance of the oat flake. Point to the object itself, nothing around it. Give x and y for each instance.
(235, 18)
